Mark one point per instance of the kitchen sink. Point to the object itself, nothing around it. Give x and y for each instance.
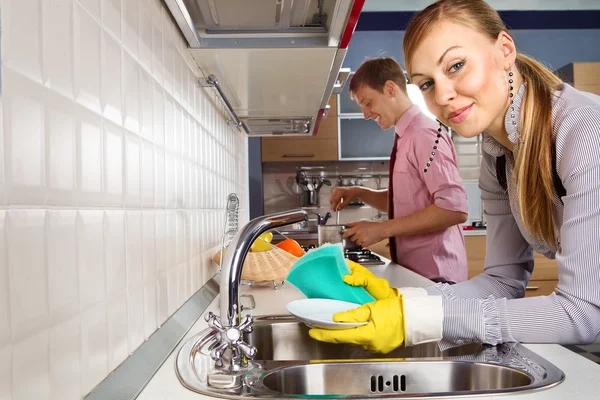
(289, 364)
(286, 338)
(396, 377)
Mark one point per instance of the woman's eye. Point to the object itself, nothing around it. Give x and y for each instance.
(424, 86)
(457, 66)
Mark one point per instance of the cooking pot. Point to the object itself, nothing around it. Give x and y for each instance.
(333, 234)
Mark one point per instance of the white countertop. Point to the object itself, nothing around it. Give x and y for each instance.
(582, 375)
(474, 232)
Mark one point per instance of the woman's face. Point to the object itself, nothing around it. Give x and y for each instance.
(464, 77)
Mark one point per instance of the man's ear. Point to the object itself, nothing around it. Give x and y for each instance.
(389, 88)
(507, 48)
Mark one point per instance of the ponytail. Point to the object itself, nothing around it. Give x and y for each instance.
(534, 162)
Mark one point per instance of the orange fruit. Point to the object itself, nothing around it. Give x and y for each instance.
(291, 246)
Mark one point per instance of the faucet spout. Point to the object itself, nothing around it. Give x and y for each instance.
(231, 274)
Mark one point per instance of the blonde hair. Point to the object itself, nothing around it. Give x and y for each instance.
(375, 72)
(534, 163)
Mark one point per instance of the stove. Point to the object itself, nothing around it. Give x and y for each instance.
(362, 256)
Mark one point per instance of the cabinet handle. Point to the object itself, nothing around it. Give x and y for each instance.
(342, 77)
(307, 155)
(532, 287)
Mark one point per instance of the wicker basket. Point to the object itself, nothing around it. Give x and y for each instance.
(266, 266)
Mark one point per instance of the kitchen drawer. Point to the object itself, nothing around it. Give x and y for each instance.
(540, 288)
(544, 268)
(382, 248)
(299, 149)
(475, 246)
(323, 146)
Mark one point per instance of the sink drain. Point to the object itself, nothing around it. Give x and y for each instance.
(379, 384)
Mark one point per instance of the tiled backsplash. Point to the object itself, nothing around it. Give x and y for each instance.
(282, 193)
(114, 173)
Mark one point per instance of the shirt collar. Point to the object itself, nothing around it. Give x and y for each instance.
(406, 119)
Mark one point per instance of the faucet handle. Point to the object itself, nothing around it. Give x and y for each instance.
(214, 321)
(246, 325)
(231, 337)
(248, 350)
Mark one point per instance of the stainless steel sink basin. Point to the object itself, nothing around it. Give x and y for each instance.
(289, 364)
(396, 377)
(285, 338)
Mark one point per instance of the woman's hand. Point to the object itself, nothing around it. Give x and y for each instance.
(379, 288)
(365, 233)
(383, 333)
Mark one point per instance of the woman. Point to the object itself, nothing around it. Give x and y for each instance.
(540, 184)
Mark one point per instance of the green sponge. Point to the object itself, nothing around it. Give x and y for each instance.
(318, 274)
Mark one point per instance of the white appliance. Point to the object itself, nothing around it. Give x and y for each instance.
(275, 62)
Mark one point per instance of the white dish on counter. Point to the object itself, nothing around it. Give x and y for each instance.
(318, 313)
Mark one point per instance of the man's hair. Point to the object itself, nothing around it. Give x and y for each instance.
(375, 73)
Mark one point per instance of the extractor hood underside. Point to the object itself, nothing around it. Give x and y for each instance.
(224, 16)
(261, 23)
(278, 126)
(276, 61)
(265, 85)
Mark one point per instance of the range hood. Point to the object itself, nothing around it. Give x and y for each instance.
(275, 63)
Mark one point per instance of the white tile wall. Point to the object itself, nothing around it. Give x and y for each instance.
(109, 214)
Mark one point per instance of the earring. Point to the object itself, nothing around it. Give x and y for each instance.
(512, 107)
(437, 141)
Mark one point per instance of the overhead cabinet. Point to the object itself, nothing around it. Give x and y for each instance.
(582, 75)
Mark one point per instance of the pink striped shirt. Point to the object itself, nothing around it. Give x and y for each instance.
(439, 255)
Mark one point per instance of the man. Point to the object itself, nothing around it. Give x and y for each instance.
(425, 199)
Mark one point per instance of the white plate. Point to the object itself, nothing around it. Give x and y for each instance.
(318, 313)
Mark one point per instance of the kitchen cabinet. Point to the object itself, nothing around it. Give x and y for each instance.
(582, 75)
(382, 248)
(543, 279)
(321, 147)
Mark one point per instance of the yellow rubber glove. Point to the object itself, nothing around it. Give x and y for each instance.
(379, 288)
(383, 333)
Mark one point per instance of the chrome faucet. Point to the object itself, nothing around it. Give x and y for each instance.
(229, 324)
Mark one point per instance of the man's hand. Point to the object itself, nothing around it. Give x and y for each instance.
(365, 233)
(341, 196)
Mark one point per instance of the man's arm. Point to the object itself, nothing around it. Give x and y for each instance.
(430, 219)
(375, 198)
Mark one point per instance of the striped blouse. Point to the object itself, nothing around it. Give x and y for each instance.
(490, 308)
